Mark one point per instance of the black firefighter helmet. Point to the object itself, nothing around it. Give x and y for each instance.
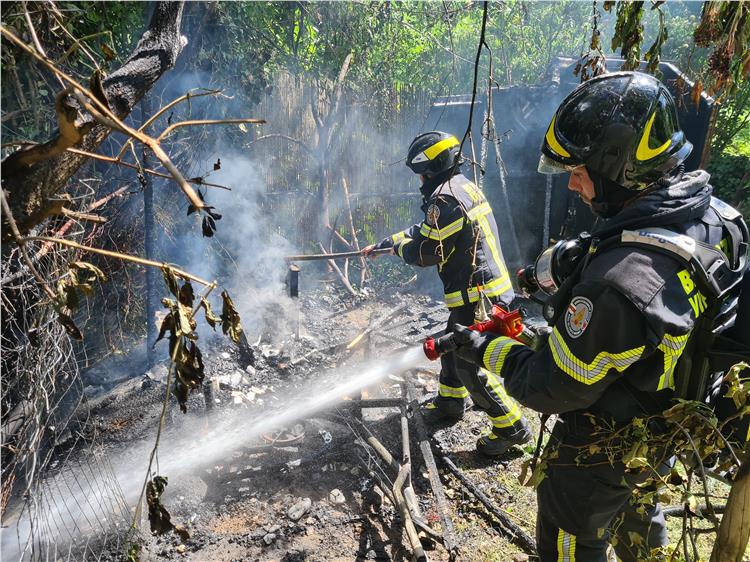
(622, 126)
(433, 153)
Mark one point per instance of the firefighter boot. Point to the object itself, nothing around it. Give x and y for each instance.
(442, 410)
(496, 443)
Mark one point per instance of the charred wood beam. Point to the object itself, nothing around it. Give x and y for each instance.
(32, 183)
(449, 533)
(514, 532)
(404, 501)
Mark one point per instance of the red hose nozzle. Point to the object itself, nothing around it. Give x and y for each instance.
(429, 349)
(434, 348)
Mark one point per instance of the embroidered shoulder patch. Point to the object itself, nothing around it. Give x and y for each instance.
(433, 214)
(578, 316)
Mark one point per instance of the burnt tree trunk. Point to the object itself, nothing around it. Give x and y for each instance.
(30, 188)
(149, 243)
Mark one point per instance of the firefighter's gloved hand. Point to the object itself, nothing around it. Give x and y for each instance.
(469, 344)
(368, 251)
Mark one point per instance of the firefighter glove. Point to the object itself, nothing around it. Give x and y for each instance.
(470, 345)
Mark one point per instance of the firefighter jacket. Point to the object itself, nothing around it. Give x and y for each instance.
(460, 237)
(622, 327)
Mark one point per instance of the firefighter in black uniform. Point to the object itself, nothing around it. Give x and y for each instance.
(459, 236)
(622, 320)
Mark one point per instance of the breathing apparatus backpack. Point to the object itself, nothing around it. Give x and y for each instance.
(721, 335)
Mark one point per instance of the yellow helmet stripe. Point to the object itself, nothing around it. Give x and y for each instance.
(552, 141)
(438, 147)
(643, 152)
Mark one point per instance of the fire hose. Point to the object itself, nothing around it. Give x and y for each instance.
(336, 256)
(503, 322)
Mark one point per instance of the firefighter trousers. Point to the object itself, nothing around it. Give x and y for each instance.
(583, 503)
(459, 379)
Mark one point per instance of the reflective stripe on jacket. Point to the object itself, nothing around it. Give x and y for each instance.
(615, 345)
(460, 236)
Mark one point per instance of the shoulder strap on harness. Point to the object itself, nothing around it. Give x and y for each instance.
(717, 275)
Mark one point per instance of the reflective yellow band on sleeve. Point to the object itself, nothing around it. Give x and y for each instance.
(400, 246)
(496, 352)
(589, 373)
(566, 547)
(479, 211)
(474, 192)
(396, 238)
(494, 288)
(452, 391)
(453, 300)
(438, 147)
(441, 233)
(671, 347)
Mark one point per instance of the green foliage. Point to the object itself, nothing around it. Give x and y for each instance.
(628, 34)
(689, 431)
(105, 33)
(729, 163)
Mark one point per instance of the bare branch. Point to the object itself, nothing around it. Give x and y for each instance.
(78, 44)
(35, 186)
(83, 216)
(170, 105)
(338, 271)
(102, 112)
(22, 246)
(71, 133)
(149, 171)
(171, 128)
(285, 137)
(120, 256)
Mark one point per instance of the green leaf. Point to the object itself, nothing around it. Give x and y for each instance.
(133, 553)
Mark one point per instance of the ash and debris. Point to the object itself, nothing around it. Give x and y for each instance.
(300, 494)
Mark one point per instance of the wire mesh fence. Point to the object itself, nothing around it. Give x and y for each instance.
(51, 461)
(59, 497)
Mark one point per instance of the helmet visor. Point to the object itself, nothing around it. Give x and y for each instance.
(549, 166)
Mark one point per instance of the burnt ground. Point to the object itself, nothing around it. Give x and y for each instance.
(300, 493)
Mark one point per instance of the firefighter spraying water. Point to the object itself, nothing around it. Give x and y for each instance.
(502, 322)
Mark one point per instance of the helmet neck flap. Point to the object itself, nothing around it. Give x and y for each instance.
(610, 197)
